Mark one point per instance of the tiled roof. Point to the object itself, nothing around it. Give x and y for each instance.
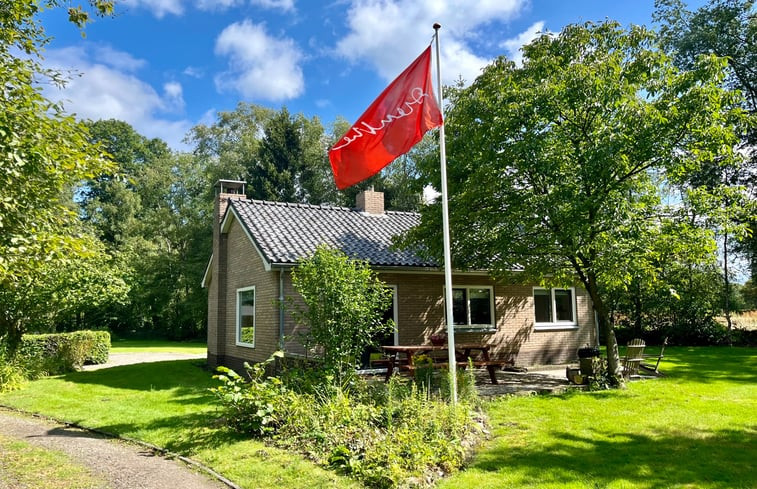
(285, 232)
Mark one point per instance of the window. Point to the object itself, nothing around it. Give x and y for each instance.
(246, 317)
(473, 307)
(554, 308)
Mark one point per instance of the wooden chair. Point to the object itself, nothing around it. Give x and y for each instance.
(648, 367)
(634, 357)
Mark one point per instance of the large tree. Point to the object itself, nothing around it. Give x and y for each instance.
(45, 152)
(727, 28)
(556, 167)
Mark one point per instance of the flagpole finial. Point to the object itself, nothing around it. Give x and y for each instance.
(437, 26)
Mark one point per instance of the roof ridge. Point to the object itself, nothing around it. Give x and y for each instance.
(318, 206)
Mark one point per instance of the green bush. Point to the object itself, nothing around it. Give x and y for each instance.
(12, 373)
(52, 354)
(385, 435)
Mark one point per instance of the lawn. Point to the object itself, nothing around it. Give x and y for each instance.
(694, 428)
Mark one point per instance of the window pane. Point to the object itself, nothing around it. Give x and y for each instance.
(542, 306)
(564, 304)
(480, 306)
(459, 306)
(246, 305)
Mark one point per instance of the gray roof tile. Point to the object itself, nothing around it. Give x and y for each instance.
(286, 232)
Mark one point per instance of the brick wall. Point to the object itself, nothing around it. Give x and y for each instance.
(420, 311)
(420, 314)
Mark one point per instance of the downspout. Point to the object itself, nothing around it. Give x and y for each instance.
(281, 309)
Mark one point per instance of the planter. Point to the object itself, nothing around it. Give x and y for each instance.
(438, 339)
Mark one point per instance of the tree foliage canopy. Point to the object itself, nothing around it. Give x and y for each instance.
(556, 167)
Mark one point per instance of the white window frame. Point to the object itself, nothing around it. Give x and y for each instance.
(238, 331)
(554, 323)
(469, 326)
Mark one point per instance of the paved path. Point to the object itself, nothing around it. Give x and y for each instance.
(117, 359)
(123, 465)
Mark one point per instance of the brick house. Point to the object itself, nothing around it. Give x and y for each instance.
(256, 244)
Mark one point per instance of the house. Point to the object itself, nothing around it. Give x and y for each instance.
(256, 244)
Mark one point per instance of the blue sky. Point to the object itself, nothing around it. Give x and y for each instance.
(167, 65)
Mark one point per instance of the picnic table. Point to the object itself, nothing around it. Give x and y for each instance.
(402, 357)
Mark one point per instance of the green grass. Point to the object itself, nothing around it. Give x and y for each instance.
(157, 346)
(25, 465)
(168, 404)
(694, 428)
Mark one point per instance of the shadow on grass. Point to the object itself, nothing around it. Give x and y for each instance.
(709, 364)
(717, 459)
(191, 375)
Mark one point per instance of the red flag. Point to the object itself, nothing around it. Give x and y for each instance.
(390, 127)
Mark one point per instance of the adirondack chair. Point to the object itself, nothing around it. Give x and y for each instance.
(648, 366)
(634, 357)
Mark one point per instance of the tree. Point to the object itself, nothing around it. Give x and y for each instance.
(727, 28)
(344, 307)
(556, 167)
(45, 153)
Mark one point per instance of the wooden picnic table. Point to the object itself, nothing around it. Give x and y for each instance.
(402, 357)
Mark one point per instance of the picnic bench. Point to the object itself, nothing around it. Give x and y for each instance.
(402, 358)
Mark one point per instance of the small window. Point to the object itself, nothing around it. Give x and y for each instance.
(554, 307)
(473, 307)
(246, 317)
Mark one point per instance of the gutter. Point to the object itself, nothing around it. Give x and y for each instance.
(281, 309)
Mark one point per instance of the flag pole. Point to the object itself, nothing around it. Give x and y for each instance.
(445, 231)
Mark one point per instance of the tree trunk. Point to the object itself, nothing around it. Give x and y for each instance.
(637, 309)
(613, 356)
(727, 282)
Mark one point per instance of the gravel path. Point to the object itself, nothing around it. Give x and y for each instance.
(123, 465)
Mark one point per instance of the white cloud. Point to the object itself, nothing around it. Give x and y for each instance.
(218, 4)
(174, 95)
(513, 45)
(194, 72)
(118, 59)
(105, 91)
(159, 8)
(261, 67)
(390, 33)
(283, 5)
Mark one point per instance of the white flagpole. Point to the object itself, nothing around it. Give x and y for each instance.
(445, 230)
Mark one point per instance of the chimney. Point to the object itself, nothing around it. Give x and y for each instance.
(370, 201)
(225, 190)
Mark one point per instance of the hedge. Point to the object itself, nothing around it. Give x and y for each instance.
(53, 354)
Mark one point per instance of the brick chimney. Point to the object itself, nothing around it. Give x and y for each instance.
(225, 190)
(371, 202)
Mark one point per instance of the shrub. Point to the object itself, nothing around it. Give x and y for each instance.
(257, 406)
(12, 373)
(52, 354)
(384, 435)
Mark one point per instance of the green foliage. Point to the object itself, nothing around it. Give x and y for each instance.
(394, 435)
(726, 28)
(257, 405)
(153, 216)
(556, 167)
(12, 372)
(345, 302)
(45, 153)
(53, 354)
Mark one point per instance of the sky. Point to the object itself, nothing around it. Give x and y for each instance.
(165, 66)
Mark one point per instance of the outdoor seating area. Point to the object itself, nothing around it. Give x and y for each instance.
(405, 358)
